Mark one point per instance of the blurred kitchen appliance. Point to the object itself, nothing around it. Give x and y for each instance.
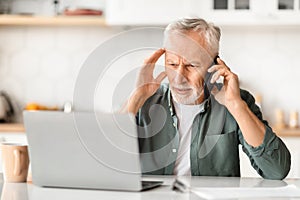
(35, 7)
(6, 108)
(5, 6)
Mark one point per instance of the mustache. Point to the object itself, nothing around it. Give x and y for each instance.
(182, 87)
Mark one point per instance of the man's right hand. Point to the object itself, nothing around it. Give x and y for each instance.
(146, 84)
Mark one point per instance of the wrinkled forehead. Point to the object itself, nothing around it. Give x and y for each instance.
(187, 46)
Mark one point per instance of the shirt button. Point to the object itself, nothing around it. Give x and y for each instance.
(174, 150)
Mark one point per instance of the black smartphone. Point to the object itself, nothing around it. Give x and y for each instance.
(208, 76)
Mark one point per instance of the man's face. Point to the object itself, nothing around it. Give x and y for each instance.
(186, 63)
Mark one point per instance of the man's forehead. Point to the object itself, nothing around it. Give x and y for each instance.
(189, 45)
(171, 54)
(174, 56)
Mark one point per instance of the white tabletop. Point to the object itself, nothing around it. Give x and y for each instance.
(28, 191)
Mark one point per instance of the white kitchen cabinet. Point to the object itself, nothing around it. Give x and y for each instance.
(249, 12)
(146, 12)
(11, 137)
(293, 145)
(221, 12)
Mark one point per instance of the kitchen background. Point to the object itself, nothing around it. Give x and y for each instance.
(40, 63)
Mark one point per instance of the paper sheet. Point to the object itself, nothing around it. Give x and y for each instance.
(241, 192)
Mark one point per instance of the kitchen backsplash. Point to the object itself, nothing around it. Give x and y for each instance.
(40, 64)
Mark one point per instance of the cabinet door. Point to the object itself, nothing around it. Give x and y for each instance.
(224, 12)
(287, 11)
(246, 168)
(292, 144)
(248, 12)
(11, 138)
(146, 12)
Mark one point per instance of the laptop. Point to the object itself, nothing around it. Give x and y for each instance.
(84, 150)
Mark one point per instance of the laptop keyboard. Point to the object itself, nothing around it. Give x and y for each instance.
(150, 184)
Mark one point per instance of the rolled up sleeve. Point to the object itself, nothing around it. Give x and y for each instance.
(272, 159)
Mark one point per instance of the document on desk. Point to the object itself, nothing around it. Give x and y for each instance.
(246, 192)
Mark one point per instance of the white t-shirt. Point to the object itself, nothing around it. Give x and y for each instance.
(185, 115)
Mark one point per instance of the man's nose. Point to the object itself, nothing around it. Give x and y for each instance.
(180, 74)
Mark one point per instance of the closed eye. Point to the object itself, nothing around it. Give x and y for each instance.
(190, 65)
(172, 64)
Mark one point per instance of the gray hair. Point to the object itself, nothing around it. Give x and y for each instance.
(209, 31)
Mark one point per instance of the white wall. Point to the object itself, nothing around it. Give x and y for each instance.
(41, 63)
(266, 60)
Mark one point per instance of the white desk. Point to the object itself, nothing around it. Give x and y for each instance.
(28, 191)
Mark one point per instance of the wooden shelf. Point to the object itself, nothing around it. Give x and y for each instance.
(20, 20)
(288, 132)
(13, 127)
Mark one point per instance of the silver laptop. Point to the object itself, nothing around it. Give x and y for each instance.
(84, 150)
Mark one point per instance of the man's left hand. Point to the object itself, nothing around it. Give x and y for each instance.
(229, 95)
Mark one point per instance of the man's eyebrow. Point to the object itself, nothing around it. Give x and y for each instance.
(193, 63)
(170, 60)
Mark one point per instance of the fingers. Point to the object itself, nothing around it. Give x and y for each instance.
(217, 68)
(221, 69)
(149, 63)
(220, 61)
(155, 56)
(221, 72)
(161, 77)
(214, 91)
(220, 64)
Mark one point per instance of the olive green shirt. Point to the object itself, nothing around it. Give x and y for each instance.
(215, 140)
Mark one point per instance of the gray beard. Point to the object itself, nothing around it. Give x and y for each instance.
(186, 99)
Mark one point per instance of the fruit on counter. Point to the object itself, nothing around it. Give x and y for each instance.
(36, 106)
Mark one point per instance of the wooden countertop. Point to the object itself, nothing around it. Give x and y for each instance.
(19, 128)
(12, 128)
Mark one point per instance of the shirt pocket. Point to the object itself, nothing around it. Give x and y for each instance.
(221, 154)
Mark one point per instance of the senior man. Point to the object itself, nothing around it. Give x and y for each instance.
(187, 128)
